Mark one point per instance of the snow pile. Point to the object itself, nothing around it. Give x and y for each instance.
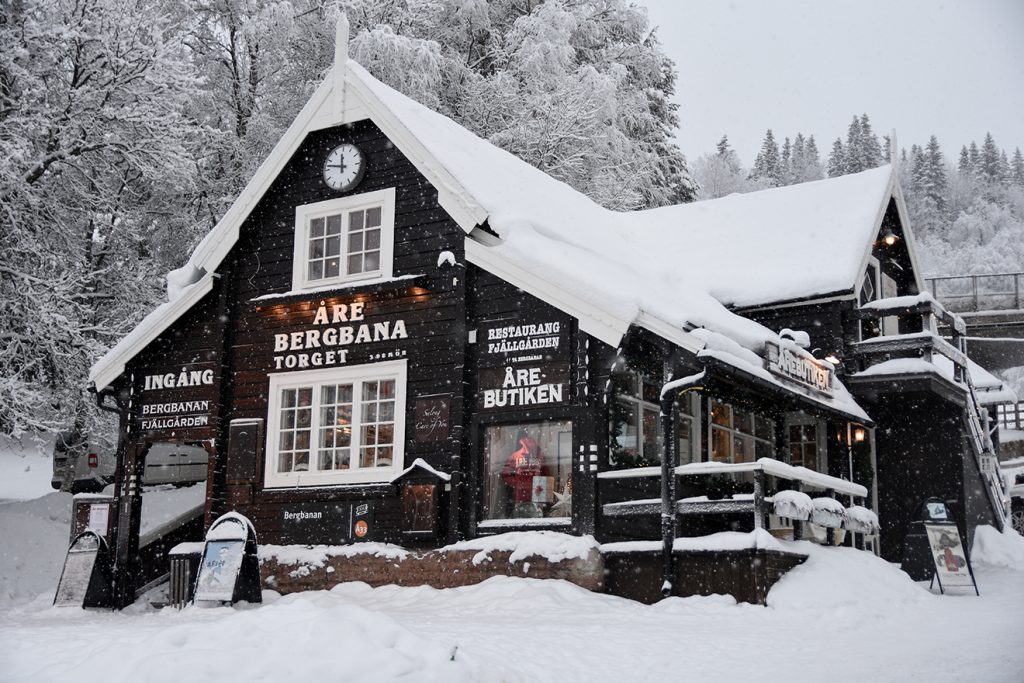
(26, 467)
(551, 545)
(34, 537)
(827, 512)
(835, 580)
(1003, 549)
(304, 637)
(861, 519)
(792, 504)
(316, 556)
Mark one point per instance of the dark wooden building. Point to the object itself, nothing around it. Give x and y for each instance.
(401, 333)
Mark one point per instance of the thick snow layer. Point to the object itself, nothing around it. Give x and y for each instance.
(792, 504)
(551, 545)
(990, 389)
(723, 540)
(647, 262)
(317, 555)
(844, 615)
(34, 537)
(26, 467)
(993, 547)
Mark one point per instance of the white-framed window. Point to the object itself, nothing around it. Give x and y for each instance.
(805, 439)
(737, 435)
(336, 426)
(635, 431)
(344, 240)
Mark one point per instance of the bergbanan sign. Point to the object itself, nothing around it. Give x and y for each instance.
(798, 368)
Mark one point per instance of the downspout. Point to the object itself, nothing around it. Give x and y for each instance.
(671, 390)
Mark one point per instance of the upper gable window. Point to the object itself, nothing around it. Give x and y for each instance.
(344, 240)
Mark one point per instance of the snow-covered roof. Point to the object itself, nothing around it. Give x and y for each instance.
(990, 389)
(609, 269)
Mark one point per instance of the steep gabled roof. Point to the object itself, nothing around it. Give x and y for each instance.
(609, 269)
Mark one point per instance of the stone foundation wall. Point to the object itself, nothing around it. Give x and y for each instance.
(437, 568)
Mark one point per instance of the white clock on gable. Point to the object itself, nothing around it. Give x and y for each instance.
(344, 167)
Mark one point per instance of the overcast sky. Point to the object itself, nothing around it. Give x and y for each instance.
(954, 68)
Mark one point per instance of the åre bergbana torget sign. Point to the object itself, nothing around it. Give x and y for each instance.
(334, 329)
(805, 371)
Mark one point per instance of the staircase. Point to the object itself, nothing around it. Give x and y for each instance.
(925, 344)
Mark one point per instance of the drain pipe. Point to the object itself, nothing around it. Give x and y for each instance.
(669, 393)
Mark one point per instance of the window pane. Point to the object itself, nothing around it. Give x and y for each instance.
(284, 462)
(316, 249)
(721, 441)
(368, 457)
(384, 457)
(305, 396)
(720, 414)
(369, 391)
(528, 470)
(288, 398)
(332, 246)
(332, 268)
(742, 421)
(316, 227)
(316, 270)
(334, 224)
(303, 417)
(327, 394)
(386, 411)
(372, 261)
(369, 412)
(355, 242)
(355, 221)
(743, 449)
(355, 264)
(765, 428)
(302, 440)
(373, 239)
(373, 217)
(302, 462)
(287, 441)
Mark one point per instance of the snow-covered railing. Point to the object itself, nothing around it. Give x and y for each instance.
(769, 466)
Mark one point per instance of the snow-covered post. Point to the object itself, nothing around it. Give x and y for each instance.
(669, 391)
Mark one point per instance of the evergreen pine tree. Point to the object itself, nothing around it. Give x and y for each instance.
(933, 175)
(917, 169)
(812, 161)
(766, 165)
(886, 149)
(854, 148)
(837, 160)
(786, 163)
(964, 166)
(973, 157)
(988, 167)
(871, 150)
(1017, 168)
(1004, 167)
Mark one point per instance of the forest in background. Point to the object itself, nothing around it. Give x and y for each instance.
(967, 213)
(127, 129)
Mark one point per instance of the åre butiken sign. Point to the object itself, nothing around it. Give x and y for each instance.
(784, 363)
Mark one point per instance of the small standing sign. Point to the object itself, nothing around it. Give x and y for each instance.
(229, 570)
(952, 568)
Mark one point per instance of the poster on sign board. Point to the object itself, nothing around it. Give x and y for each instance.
(951, 564)
(219, 570)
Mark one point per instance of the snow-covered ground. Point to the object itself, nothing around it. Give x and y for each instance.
(843, 616)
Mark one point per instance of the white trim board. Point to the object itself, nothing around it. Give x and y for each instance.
(112, 365)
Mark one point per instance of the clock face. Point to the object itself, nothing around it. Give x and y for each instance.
(344, 167)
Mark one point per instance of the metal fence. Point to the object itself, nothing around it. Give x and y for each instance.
(994, 292)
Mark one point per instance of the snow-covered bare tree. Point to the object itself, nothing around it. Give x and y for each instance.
(91, 134)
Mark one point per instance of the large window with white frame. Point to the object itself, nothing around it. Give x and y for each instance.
(738, 435)
(344, 240)
(636, 435)
(336, 426)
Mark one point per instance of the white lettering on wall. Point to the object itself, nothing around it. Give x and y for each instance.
(522, 387)
(288, 344)
(185, 378)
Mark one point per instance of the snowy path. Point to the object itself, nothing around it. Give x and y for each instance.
(844, 616)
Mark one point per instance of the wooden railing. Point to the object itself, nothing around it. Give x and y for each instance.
(994, 292)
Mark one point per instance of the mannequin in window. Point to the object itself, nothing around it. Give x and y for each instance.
(521, 468)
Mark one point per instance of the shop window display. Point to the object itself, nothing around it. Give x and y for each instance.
(528, 471)
(739, 435)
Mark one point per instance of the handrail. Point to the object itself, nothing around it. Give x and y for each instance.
(770, 466)
(976, 296)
